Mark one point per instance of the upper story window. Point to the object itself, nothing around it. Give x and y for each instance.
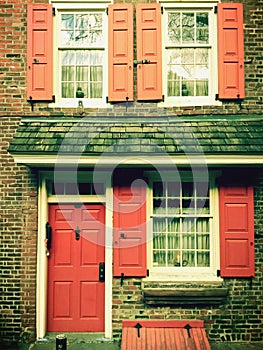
(80, 54)
(190, 54)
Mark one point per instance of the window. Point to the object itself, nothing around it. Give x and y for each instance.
(80, 55)
(81, 68)
(184, 232)
(190, 51)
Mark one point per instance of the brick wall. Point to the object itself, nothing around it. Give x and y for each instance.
(235, 320)
(18, 222)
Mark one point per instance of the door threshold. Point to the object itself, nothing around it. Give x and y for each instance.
(78, 337)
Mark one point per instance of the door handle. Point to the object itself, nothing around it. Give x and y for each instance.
(48, 235)
(77, 233)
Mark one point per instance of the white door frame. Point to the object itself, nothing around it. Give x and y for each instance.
(42, 260)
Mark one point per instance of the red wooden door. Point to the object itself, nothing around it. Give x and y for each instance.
(75, 294)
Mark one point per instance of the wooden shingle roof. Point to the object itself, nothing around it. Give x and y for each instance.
(93, 136)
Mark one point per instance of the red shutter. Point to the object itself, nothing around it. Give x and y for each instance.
(236, 231)
(129, 230)
(120, 52)
(149, 47)
(230, 51)
(39, 52)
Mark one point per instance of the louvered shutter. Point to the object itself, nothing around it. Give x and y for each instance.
(129, 230)
(230, 51)
(120, 22)
(148, 29)
(39, 52)
(236, 231)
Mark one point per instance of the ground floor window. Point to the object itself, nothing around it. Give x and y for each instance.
(184, 232)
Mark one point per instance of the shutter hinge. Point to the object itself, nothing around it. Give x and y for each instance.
(107, 11)
(218, 273)
(147, 273)
(217, 97)
(215, 9)
(53, 11)
(53, 98)
(162, 10)
(107, 99)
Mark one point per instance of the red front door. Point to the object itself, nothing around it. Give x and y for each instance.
(75, 291)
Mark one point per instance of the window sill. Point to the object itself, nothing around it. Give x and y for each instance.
(184, 293)
(188, 102)
(86, 104)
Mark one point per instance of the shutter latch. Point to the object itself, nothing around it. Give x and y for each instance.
(122, 278)
(136, 62)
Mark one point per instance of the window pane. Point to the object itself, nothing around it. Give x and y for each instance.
(67, 58)
(67, 73)
(95, 90)
(158, 189)
(173, 189)
(203, 259)
(67, 90)
(188, 259)
(82, 73)
(174, 28)
(188, 27)
(202, 32)
(159, 225)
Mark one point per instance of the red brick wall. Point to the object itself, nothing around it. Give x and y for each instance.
(239, 319)
(18, 222)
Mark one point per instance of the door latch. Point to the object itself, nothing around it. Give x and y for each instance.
(77, 233)
(101, 272)
(135, 62)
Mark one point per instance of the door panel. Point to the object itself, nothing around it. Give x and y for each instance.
(75, 295)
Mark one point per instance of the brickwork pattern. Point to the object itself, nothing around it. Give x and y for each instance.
(239, 319)
(18, 222)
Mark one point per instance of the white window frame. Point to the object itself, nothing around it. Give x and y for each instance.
(179, 101)
(186, 273)
(61, 6)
